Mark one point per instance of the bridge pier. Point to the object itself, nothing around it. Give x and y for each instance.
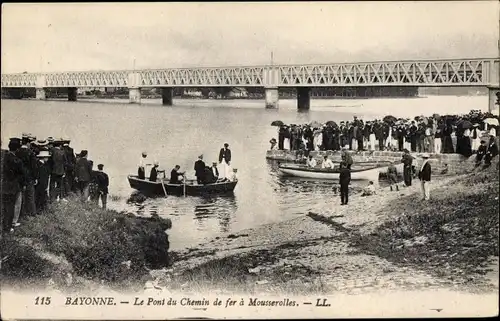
(167, 94)
(72, 93)
(494, 100)
(134, 95)
(272, 97)
(303, 98)
(40, 94)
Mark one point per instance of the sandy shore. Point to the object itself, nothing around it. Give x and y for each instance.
(311, 252)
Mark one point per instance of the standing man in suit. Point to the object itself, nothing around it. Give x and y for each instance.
(57, 163)
(425, 176)
(345, 179)
(102, 180)
(225, 160)
(199, 168)
(83, 171)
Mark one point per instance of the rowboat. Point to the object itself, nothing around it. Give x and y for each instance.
(364, 171)
(191, 188)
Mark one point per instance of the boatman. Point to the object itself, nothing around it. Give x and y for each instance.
(327, 163)
(199, 168)
(175, 175)
(214, 170)
(141, 172)
(311, 162)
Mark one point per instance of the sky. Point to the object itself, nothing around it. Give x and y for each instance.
(111, 36)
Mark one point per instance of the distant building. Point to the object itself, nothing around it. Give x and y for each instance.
(238, 92)
(192, 93)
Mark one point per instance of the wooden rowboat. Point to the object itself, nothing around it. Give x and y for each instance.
(367, 171)
(191, 187)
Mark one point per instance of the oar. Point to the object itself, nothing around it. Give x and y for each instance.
(184, 186)
(163, 186)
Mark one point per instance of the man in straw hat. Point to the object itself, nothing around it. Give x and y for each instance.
(42, 186)
(424, 175)
(141, 171)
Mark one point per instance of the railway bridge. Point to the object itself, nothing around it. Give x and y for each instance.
(464, 72)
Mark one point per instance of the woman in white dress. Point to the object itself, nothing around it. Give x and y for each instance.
(388, 142)
(318, 139)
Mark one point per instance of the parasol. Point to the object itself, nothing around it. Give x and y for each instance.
(277, 123)
(465, 124)
(331, 123)
(491, 121)
(315, 124)
(436, 116)
(389, 119)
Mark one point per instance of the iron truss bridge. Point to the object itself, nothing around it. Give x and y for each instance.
(453, 72)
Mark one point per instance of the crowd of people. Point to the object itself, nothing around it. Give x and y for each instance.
(35, 173)
(431, 134)
(204, 174)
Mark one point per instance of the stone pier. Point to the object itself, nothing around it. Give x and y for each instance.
(303, 98)
(167, 94)
(272, 97)
(40, 94)
(72, 93)
(134, 95)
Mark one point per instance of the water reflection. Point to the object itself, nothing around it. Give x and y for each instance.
(220, 207)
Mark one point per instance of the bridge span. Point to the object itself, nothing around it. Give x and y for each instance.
(417, 73)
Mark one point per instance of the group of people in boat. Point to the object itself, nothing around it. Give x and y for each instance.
(36, 172)
(219, 171)
(431, 134)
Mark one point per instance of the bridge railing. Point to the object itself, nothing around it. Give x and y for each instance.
(447, 72)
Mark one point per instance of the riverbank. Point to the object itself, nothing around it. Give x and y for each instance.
(389, 241)
(75, 245)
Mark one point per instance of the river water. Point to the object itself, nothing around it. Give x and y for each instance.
(115, 133)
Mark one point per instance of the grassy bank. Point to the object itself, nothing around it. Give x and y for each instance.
(85, 241)
(453, 235)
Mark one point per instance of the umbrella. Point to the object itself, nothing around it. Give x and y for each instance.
(491, 121)
(277, 123)
(389, 119)
(436, 116)
(465, 124)
(315, 124)
(331, 123)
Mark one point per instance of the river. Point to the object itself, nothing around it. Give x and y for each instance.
(115, 133)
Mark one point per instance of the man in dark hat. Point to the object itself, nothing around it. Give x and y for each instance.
(102, 180)
(225, 160)
(57, 162)
(69, 167)
(344, 179)
(13, 180)
(491, 152)
(29, 161)
(407, 160)
(199, 168)
(481, 151)
(42, 186)
(83, 175)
